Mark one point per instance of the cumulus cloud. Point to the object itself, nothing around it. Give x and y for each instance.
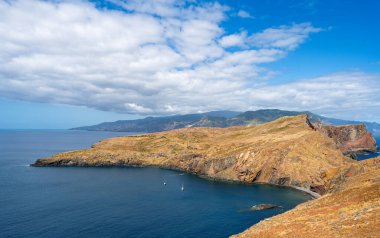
(234, 40)
(148, 57)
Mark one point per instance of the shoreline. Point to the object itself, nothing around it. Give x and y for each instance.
(313, 195)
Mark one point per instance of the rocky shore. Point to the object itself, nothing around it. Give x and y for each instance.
(289, 151)
(350, 209)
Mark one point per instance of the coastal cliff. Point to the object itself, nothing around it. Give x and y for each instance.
(350, 209)
(351, 139)
(288, 151)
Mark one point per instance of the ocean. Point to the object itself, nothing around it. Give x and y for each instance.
(118, 202)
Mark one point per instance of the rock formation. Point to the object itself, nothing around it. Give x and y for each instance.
(261, 207)
(350, 139)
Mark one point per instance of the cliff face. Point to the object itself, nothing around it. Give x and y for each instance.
(350, 139)
(351, 209)
(288, 151)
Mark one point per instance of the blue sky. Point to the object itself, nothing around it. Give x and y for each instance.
(71, 63)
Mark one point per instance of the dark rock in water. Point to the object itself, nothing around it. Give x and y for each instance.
(260, 207)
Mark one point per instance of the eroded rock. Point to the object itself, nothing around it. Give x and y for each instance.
(350, 139)
(260, 207)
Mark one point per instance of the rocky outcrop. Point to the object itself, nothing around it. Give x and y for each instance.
(288, 151)
(350, 209)
(351, 139)
(261, 207)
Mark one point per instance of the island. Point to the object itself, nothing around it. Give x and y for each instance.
(289, 151)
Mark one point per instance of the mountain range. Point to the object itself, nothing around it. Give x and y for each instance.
(216, 119)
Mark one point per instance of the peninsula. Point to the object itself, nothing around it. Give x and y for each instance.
(289, 151)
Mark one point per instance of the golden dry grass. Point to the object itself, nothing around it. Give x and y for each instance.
(351, 211)
(286, 151)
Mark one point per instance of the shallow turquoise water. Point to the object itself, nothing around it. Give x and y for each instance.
(118, 202)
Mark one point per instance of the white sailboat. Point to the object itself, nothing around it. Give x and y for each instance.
(182, 188)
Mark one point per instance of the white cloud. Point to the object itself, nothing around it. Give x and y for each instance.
(335, 94)
(284, 37)
(244, 14)
(158, 57)
(234, 40)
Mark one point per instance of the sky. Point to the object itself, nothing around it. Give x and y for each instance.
(72, 63)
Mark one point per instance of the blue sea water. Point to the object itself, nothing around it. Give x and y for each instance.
(118, 202)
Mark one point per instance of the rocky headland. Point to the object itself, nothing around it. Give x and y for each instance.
(289, 151)
(351, 139)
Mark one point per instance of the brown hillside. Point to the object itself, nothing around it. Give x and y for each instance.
(287, 151)
(351, 210)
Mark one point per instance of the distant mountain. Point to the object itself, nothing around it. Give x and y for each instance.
(216, 119)
(226, 114)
